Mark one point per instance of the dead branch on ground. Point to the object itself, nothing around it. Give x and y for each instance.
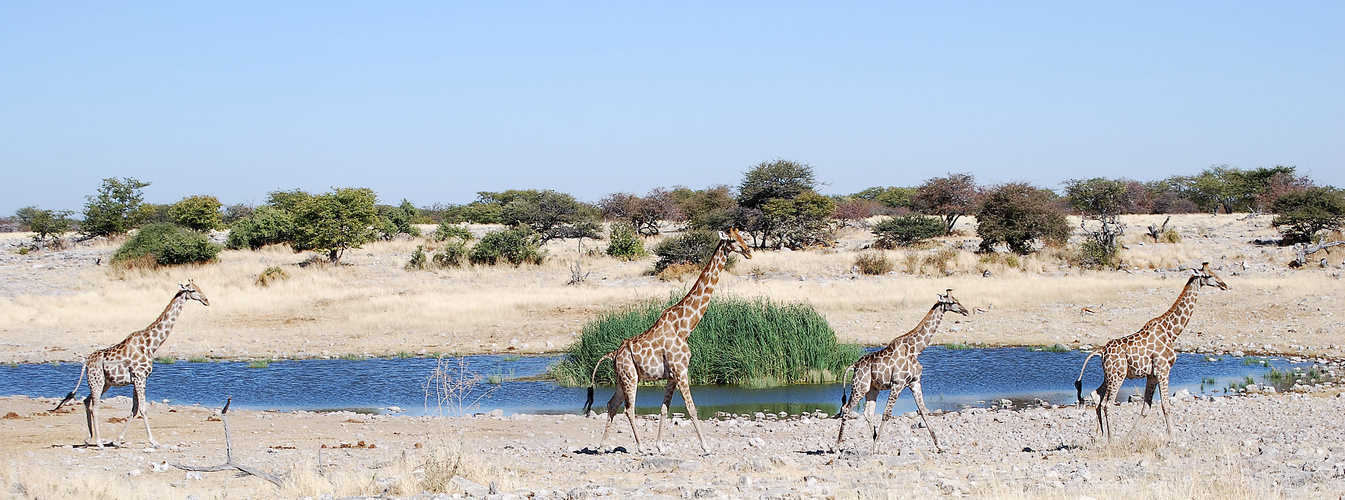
(229, 454)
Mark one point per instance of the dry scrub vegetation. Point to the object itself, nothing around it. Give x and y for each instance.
(371, 305)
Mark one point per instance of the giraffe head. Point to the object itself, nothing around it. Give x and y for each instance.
(193, 293)
(733, 240)
(1205, 277)
(950, 304)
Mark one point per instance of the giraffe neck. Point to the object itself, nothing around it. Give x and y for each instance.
(1172, 322)
(923, 333)
(692, 307)
(158, 331)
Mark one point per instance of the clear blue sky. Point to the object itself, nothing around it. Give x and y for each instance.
(435, 101)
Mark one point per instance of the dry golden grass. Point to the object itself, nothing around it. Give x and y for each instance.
(370, 304)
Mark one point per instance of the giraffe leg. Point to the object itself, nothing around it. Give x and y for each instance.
(887, 413)
(96, 391)
(1163, 403)
(684, 383)
(630, 417)
(870, 404)
(1105, 407)
(1150, 384)
(613, 406)
(924, 413)
(845, 414)
(138, 409)
(663, 412)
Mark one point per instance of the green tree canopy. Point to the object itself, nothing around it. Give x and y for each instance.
(398, 220)
(266, 225)
(198, 213)
(44, 222)
(1097, 196)
(336, 221)
(707, 208)
(892, 197)
(1300, 215)
(116, 208)
(779, 179)
(550, 214)
(950, 197)
(1017, 213)
(778, 205)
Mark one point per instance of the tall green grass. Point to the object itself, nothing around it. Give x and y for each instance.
(753, 343)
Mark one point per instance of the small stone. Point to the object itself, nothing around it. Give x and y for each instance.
(691, 466)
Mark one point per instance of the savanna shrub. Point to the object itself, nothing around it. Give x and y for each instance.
(271, 275)
(517, 245)
(453, 254)
(876, 263)
(1094, 255)
(266, 226)
(625, 243)
(906, 230)
(418, 259)
(448, 230)
(165, 245)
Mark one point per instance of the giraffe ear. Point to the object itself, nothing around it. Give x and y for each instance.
(723, 235)
(181, 286)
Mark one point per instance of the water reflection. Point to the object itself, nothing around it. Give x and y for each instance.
(952, 379)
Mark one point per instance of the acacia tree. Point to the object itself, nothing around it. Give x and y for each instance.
(336, 221)
(1017, 213)
(1301, 215)
(551, 214)
(777, 203)
(116, 208)
(710, 208)
(642, 213)
(43, 223)
(1100, 200)
(950, 197)
(782, 179)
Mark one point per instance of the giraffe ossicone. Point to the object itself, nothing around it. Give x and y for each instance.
(662, 352)
(895, 367)
(1147, 354)
(130, 363)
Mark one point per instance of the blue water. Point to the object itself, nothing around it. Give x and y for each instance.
(952, 379)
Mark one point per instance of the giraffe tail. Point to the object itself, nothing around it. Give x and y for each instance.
(1078, 383)
(844, 392)
(71, 396)
(588, 403)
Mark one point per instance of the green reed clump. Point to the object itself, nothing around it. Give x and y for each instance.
(753, 343)
(260, 363)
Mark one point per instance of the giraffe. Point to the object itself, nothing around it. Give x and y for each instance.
(130, 363)
(1146, 354)
(661, 352)
(897, 368)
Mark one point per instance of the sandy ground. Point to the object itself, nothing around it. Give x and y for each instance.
(1285, 445)
(61, 305)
